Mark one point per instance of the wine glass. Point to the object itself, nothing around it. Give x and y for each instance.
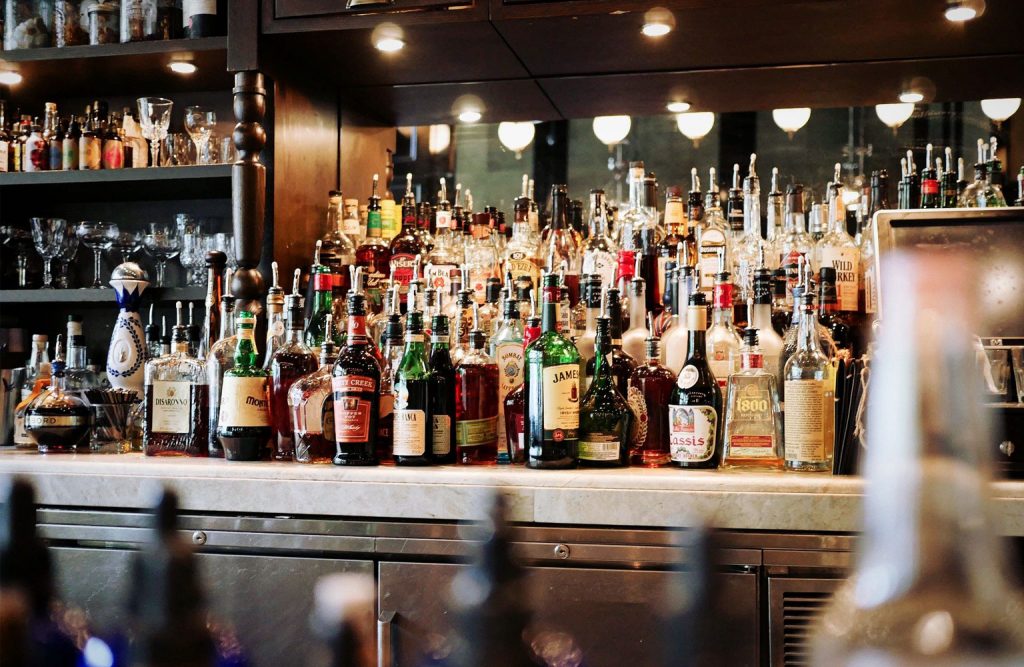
(154, 118)
(125, 242)
(199, 123)
(21, 240)
(193, 256)
(66, 256)
(163, 243)
(49, 236)
(226, 244)
(96, 236)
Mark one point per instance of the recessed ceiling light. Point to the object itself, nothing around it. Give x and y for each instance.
(10, 78)
(911, 97)
(470, 116)
(658, 22)
(677, 107)
(389, 44)
(656, 29)
(959, 11)
(182, 67)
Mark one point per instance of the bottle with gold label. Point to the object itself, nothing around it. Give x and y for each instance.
(243, 425)
(476, 402)
(753, 420)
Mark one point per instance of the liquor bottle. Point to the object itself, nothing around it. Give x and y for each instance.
(552, 380)
(322, 306)
(507, 351)
(276, 327)
(356, 382)
(444, 258)
(55, 139)
(38, 357)
(592, 303)
(775, 228)
(424, 225)
(374, 255)
(58, 421)
(599, 250)
(622, 364)
(90, 145)
(947, 184)
(633, 222)
(221, 356)
(392, 351)
(713, 235)
(565, 310)
(515, 402)
(195, 330)
(406, 247)
(203, 18)
(489, 313)
(930, 197)
(291, 361)
(78, 377)
(352, 225)
(914, 180)
(165, 338)
(668, 318)
(747, 249)
(69, 145)
(481, 257)
(463, 323)
(177, 401)
(695, 407)
(476, 403)
(311, 408)
(880, 202)
(674, 343)
(840, 252)
(634, 337)
(734, 208)
(37, 149)
(828, 312)
(903, 188)
(989, 194)
(723, 341)
(21, 132)
(605, 416)
(694, 215)
(782, 309)
(113, 145)
(389, 216)
(412, 424)
(656, 383)
(675, 222)
(335, 240)
(753, 418)
(1020, 188)
(995, 165)
(930, 549)
(22, 440)
(808, 387)
(152, 334)
(6, 154)
(243, 425)
(442, 393)
(771, 343)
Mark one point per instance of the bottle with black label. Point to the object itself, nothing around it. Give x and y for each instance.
(58, 421)
(442, 392)
(412, 428)
(203, 18)
(243, 426)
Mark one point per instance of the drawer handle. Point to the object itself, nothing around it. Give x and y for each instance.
(562, 551)
(385, 639)
(199, 537)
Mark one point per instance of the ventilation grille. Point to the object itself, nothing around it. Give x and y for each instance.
(799, 611)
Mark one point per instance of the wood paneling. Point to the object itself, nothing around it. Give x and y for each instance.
(364, 146)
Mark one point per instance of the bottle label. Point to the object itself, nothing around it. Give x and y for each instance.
(443, 220)
(439, 276)
(402, 266)
(561, 390)
(89, 153)
(478, 282)
(70, 154)
(309, 417)
(846, 262)
(350, 228)
(244, 401)
(870, 290)
(692, 430)
(688, 377)
(603, 264)
(47, 421)
(476, 432)
(389, 226)
(374, 283)
(373, 223)
(805, 420)
(193, 7)
(441, 435)
(522, 266)
(4, 155)
(752, 415)
(410, 433)
(21, 436)
(172, 409)
(352, 409)
(598, 447)
(929, 186)
(509, 357)
(113, 154)
(722, 362)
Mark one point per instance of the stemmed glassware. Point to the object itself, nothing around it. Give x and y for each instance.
(193, 256)
(22, 241)
(155, 118)
(66, 257)
(96, 236)
(226, 244)
(199, 123)
(125, 242)
(163, 243)
(50, 236)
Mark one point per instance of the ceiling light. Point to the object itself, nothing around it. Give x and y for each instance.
(1000, 109)
(470, 116)
(658, 22)
(655, 29)
(959, 11)
(894, 115)
(910, 97)
(389, 44)
(388, 38)
(611, 130)
(516, 136)
(695, 125)
(182, 67)
(677, 107)
(10, 78)
(791, 120)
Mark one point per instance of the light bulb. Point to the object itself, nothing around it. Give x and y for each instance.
(999, 109)
(515, 136)
(388, 38)
(959, 11)
(677, 107)
(470, 116)
(389, 44)
(894, 115)
(910, 97)
(695, 125)
(658, 22)
(182, 67)
(611, 130)
(10, 78)
(791, 120)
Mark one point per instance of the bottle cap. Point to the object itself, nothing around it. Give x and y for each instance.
(750, 336)
(827, 274)
(698, 299)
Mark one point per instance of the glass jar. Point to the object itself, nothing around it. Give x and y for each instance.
(28, 24)
(71, 22)
(103, 23)
(138, 20)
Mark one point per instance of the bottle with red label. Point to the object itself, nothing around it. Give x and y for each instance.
(930, 197)
(374, 255)
(723, 341)
(356, 381)
(408, 245)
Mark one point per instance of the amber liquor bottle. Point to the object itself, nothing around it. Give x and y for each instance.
(243, 425)
(311, 404)
(656, 383)
(291, 361)
(476, 404)
(408, 245)
(355, 380)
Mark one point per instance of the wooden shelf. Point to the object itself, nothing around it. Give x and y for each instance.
(190, 182)
(97, 296)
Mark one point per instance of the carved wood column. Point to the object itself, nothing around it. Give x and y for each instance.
(249, 187)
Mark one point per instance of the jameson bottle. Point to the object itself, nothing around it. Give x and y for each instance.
(243, 426)
(356, 379)
(552, 390)
(695, 407)
(605, 416)
(476, 404)
(442, 392)
(412, 424)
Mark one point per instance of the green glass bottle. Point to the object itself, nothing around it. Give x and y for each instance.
(552, 383)
(605, 416)
(322, 306)
(442, 392)
(412, 428)
(243, 426)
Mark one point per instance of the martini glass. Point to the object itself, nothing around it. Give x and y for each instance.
(163, 243)
(49, 236)
(96, 236)
(154, 118)
(199, 123)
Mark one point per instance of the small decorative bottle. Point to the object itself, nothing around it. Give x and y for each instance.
(57, 421)
(243, 425)
(127, 353)
(753, 420)
(476, 402)
(177, 401)
(311, 403)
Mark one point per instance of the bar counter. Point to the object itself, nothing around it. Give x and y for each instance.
(641, 498)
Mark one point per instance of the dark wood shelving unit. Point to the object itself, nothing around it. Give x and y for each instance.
(149, 183)
(97, 296)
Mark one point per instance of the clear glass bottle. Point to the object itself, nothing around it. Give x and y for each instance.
(463, 323)
(599, 250)
(507, 351)
(78, 377)
(481, 257)
(522, 252)
(734, 208)
(634, 337)
(622, 364)
(776, 222)
(837, 249)
(795, 241)
(275, 316)
(753, 418)
(291, 361)
(38, 357)
(747, 249)
(444, 259)
(58, 421)
(676, 227)
(560, 251)
(676, 339)
(713, 235)
(442, 392)
(605, 416)
(335, 241)
(809, 424)
(311, 408)
(592, 309)
(243, 423)
(411, 435)
(655, 383)
(637, 216)
(177, 401)
(723, 341)
(476, 403)
(933, 583)
(221, 359)
(771, 343)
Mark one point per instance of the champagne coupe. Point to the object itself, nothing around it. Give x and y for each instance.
(49, 236)
(163, 243)
(96, 236)
(155, 118)
(125, 242)
(199, 123)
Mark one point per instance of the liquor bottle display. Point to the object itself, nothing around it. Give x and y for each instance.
(243, 425)
(605, 416)
(356, 385)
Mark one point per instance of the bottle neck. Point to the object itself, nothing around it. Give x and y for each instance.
(697, 325)
(637, 306)
(245, 351)
(807, 333)
(227, 318)
(602, 369)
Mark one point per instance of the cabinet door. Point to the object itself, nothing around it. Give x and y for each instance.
(265, 599)
(612, 615)
(793, 606)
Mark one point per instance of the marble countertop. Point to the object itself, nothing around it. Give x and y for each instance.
(634, 497)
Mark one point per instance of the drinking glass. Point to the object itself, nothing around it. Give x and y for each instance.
(193, 256)
(49, 236)
(199, 123)
(226, 244)
(125, 242)
(163, 243)
(21, 240)
(97, 236)
(65, 257)
(178, 147)
(154, 118)
(227, 150)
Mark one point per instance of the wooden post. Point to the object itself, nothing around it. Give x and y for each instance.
(248, 184)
